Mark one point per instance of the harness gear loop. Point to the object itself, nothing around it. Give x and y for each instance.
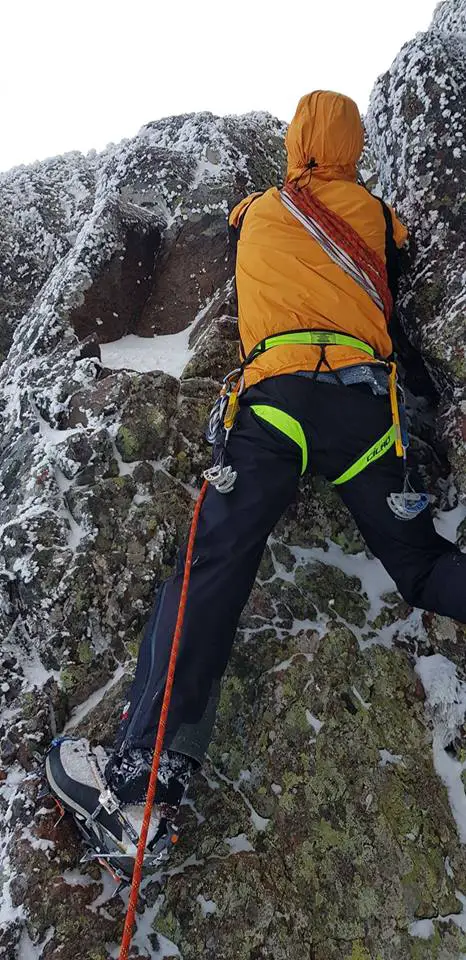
(137, 873)
(221, 420)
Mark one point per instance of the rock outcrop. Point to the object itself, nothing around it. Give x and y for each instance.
(416, 126)
(329, 820)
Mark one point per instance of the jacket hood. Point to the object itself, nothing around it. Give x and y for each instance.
(326, 128)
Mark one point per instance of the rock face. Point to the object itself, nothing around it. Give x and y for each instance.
(416, 126)
(328, 821)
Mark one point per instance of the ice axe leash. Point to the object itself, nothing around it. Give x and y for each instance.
(137, 872)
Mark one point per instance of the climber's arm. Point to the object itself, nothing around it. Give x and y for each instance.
(236, 217)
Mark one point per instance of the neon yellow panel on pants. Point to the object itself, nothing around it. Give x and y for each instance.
(293, 429)
(287, 425)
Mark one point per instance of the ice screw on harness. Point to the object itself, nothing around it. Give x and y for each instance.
(137, 873)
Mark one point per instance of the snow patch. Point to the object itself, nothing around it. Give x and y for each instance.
(446, 701)
(364, 704)
(239, 844)
(387, 758)
(445, 692)
(447, 522)
(424, 929)
(79, 713)
(314, 722)
(207, 906)
(169, 353)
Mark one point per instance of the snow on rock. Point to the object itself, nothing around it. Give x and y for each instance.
(446, 699)
(446, 693)
(101, 445)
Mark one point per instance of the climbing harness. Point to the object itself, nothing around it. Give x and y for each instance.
(405, 505)
(138, 866)
(226, 407)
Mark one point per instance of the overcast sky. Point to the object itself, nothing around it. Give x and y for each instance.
(78, 75)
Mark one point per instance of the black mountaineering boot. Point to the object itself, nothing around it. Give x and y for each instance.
(111, 821)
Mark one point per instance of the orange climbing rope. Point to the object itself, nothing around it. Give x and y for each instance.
(137, 873)
(347, 238)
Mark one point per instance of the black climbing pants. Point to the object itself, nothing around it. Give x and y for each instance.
(340, 423)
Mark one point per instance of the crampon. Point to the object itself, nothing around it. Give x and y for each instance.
(110, 830)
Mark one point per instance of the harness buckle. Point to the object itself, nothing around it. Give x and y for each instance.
(108, 802)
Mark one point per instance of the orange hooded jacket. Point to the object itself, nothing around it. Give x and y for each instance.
(285, 280)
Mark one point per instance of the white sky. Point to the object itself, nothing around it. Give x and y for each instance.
(77, 74)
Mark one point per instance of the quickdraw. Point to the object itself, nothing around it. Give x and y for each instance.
(221, 421)
(408, 504)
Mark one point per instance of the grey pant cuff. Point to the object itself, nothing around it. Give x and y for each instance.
(193, 739)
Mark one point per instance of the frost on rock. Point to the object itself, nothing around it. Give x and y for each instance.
(326, 821)
(416, 127)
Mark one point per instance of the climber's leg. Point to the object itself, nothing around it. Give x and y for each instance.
(232, 533)
(429, 571)
(231, 536)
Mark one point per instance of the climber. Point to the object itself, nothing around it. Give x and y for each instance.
(316, 275)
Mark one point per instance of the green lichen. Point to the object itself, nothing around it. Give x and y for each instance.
(127, 444)
(359, 952)
(67, 679)
(168, 925)
(119, 482)
(84, 651)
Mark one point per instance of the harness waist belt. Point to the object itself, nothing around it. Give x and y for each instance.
(318, 338)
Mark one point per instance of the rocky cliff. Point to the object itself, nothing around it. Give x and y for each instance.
(330, 818)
